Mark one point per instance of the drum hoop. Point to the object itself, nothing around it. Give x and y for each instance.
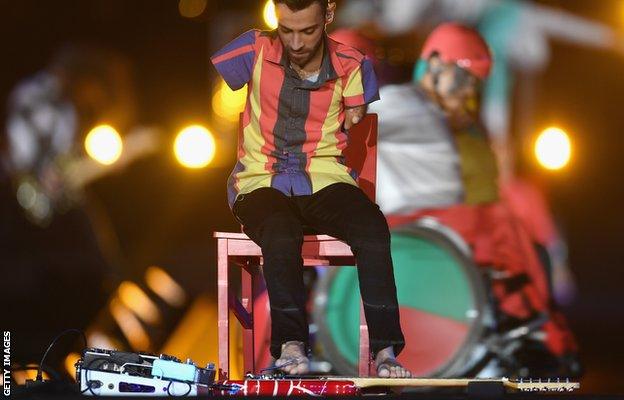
(428, 228)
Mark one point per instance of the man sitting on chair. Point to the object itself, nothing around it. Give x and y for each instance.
(305, 91)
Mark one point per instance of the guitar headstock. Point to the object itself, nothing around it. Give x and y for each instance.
(543, 385)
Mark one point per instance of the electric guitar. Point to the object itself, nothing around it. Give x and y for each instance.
(327, 386)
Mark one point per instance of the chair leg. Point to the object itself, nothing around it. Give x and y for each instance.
(223, 323)
(365, 358)
(247, 281)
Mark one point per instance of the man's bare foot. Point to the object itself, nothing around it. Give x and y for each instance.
(388, 366)
(293, 360)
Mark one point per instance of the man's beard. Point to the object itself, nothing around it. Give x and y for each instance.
(304, 58)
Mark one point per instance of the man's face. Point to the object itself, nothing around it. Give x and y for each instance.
(455, 89)
(301, 32)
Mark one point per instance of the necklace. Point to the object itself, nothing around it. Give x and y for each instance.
(303, 74)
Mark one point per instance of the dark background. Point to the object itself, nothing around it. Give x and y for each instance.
(164, 214)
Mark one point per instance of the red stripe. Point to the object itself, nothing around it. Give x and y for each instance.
(270, 86)
(316, 118)
(246, 119)
(232, 54)
(354, 100)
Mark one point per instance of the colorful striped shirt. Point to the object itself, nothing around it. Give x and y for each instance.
(292, 136)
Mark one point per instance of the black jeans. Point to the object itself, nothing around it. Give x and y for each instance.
(275, 222)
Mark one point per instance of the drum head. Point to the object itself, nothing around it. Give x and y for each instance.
(441, 298)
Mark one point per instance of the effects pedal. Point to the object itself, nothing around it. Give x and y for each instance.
(102, 372)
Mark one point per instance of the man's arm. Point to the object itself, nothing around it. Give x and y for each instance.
(354, 115)
(361, 89)
(234, 62)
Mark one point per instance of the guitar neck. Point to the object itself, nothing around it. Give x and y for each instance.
(419, 382)
(523, 385)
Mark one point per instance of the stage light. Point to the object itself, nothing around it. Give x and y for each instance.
(21, 376)
(553, 148)
(191, 8)
(104, 144)
(228, 104)
(70, 364)
(194, 147)
(130, 326)
(270, 19)
(161, 283)
(136, 300)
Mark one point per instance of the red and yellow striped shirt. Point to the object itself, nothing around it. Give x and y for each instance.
(293, 136)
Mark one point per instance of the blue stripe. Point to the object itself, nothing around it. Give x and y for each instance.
(281, 182)
(301, 185)
(369, 81)
(231, 183)
(237, 71)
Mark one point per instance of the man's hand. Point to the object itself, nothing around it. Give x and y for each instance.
(353, 116)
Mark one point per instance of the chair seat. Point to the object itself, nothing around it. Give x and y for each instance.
(314, 247)
(243, 236)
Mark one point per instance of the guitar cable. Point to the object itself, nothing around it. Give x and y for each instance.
(39, 377)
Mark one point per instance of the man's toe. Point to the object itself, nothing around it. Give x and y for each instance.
(384, 372)
(302, 368)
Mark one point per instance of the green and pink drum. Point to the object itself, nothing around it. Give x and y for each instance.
(442, 298)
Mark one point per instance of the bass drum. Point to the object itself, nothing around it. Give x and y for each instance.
(442, 298)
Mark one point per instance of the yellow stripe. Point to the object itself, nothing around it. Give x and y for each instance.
(354, 85)
(324, 170)
(254, 176)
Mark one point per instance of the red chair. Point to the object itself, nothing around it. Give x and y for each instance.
(318, 250)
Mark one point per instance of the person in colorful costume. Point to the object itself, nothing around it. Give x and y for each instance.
(435, 160)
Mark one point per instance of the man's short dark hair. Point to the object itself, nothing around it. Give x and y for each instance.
(297, 5)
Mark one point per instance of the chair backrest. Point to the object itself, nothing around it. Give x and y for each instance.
(360, 154)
